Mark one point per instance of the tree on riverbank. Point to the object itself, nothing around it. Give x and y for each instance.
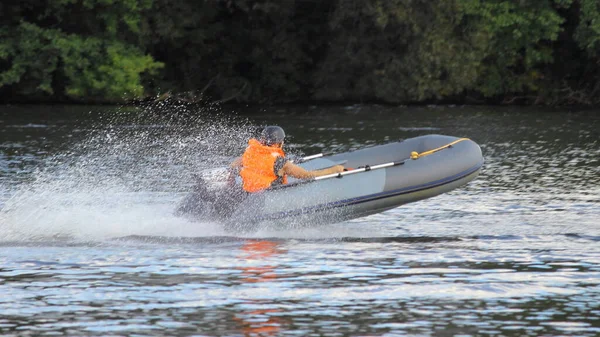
(84, 50)
(394, 51)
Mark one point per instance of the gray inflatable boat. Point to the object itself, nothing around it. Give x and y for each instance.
(381, 178)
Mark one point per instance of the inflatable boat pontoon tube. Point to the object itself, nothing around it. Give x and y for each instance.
(384, 177)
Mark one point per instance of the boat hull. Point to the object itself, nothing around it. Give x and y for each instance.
(350, 196)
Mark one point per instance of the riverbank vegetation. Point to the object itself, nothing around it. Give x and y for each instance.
(271, 51)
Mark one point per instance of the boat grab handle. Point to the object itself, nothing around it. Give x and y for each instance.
(416, 155)
(360, 169)
(413, 155)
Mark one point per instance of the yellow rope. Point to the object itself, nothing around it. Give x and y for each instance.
(416, 155)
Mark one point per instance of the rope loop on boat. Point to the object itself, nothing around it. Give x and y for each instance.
(416, 155)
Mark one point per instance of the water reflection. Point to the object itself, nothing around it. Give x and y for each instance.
(256, 317)
(515, 253)
(256, 251)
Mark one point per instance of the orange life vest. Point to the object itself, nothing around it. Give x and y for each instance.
(258, 166)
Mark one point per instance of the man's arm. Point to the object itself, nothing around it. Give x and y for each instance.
(298, 172)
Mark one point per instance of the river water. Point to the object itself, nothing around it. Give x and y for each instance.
(89, 245)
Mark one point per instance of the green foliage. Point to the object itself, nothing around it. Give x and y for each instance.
(95, 63)
(101, 17)
(391, 51)
(411, 50)
(247, 49)
(395, 51)
(32, 57)
(113, 73)
(519, 42)
(588, 31)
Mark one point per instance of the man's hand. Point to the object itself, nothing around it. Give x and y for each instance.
(337, 169)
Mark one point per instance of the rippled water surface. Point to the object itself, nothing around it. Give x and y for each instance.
(89, 245)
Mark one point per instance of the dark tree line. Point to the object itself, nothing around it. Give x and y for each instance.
(394, 51)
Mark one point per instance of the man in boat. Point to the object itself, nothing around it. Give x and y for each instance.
(264, 163)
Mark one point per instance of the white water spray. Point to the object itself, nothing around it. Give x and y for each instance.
(125, 177)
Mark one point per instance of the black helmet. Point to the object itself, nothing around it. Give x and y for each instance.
(272, 135)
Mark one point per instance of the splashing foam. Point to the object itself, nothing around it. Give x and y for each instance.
(125, 177)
